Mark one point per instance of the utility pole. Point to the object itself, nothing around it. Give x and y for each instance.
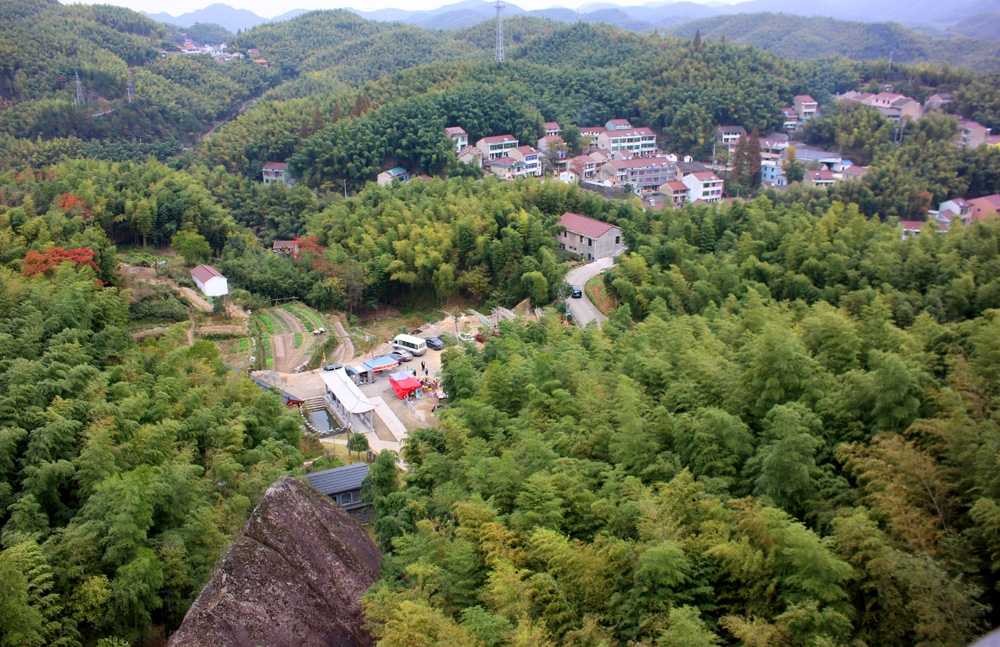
(499, 4)
(345, 189)
(79, 91)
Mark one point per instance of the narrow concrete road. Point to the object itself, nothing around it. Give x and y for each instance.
(583, 310)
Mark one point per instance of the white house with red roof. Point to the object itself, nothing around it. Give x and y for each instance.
(552, 129)
(592, 133)
(703, 185)
(458, 137)
(210, 281)
(496, 146)
(507, 168)
(641, 141)
(584, 166)
(590, 238)
(275, 173)
(530, 157)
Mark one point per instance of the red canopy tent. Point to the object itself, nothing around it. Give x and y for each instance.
(404, 384)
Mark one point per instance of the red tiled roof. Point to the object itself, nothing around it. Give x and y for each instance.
(504, 161)
(805, 98)
(588, 130)
(284, 244)
(706, 176)
(993, 140)
(855, 170)
(526, 150)
(822, 174)
(676, 185)
(498, 139)
(455, 131)
(205, 272)
(585, 226)
(276, 166)
(551, 125)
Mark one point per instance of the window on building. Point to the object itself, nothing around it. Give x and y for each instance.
(345, 498)
(618, 240)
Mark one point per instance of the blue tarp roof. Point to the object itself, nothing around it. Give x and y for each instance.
(382, 362)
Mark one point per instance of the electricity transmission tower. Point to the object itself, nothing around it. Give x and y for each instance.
(499, 4)
(79, 91)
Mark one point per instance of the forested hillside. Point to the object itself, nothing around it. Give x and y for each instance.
(46, 45)
(795, 447)
(784, 436)
(801, 38)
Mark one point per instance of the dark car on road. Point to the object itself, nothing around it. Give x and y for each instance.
(577, 292)
(434, 343)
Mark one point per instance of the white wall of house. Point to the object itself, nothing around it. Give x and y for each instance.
(216, 286)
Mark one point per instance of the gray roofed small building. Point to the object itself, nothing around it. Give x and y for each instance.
(342, 484)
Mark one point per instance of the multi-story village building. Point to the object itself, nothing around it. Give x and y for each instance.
(705, 186)
(727, 137)
(805, 106)
(971, 134)
(676, 193)
(584, 166)
(458, 136)
(643, 173)
(590, 238)
(530, 157)
(552, 129)
(507, 168)
(496, 146)
(821, 179)
(591, 134)
(275, 173)
(619, 134)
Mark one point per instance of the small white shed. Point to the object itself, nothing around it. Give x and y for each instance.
(210, 281)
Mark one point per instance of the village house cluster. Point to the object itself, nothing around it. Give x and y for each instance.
(619, 157)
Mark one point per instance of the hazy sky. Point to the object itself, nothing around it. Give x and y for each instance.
(269, 8)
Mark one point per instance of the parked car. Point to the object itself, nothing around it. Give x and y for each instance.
(577, 292)
(332, 367)
(434, 342)
(401, 355)
(480, 337)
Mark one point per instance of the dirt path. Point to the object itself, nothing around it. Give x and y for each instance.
(283, 346)
(293, 322)
(345, 351)
(196, 299)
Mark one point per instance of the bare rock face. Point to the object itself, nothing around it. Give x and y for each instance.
(294, 578)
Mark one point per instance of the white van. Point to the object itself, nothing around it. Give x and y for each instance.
(415, 345)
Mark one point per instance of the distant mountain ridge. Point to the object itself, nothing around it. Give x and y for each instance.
(927, 14)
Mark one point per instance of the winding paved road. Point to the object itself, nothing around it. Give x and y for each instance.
(583, 310)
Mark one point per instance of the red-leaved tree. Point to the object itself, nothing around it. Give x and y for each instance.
(36, 263)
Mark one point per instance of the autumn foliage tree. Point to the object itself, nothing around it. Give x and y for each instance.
(36, 263)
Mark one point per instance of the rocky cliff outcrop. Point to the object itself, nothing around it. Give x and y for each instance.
(294, 578)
